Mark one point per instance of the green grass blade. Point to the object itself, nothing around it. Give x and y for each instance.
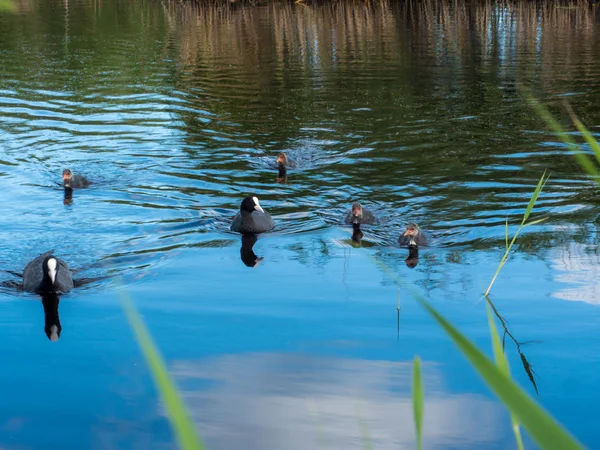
(584, 161)
(418, 401)
(502, 364)
(534, 222)
(183, 427)
(593, 143)
(534, 197)
(544, 430)
(536, 193)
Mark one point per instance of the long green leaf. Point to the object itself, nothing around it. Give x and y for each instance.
(593, 143)
(534, 222)
(544, 430)
(418, 401)
(502, 364)
(584, 161)
(536, 193)
(534, 197)
(183, 427)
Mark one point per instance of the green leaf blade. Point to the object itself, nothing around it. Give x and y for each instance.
(183, 426)
(418, 401)
(544, 430)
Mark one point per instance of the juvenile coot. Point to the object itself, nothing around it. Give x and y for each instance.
(283, 162)
(47, 273)
(413, 236)
(74, 181)
(358, 215)
(252, 218)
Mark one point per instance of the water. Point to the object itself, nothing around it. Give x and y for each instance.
(176, 112)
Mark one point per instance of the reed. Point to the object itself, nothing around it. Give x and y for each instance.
(418, 401)
(502, 364)
(543, 429)
(589, 165)
(524, 224)
(183, 426)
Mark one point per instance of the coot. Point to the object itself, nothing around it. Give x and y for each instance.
(252, 218)
(74, 181)
(413, 236)
(47, 273)
(359, 215)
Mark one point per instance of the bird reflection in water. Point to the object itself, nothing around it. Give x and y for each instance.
(68, 196)
(247, 253)
(52, 325)
(412, 259)
(357, 235)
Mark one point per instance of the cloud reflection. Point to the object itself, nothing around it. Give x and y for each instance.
(275, 401)
(580, 269)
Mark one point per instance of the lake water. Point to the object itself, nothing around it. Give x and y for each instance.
(176, 112)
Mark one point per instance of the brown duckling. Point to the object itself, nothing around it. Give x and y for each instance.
(74, 181)
(358, 215)
(413, 236)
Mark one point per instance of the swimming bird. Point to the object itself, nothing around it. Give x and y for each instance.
(283, 162)
(252, 218)
(413, 236)
(358, 215)
(74, 181)
(47, 273)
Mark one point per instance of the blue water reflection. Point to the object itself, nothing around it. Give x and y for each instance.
(292, 339)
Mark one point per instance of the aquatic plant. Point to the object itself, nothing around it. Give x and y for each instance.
(585, 161)
(418, 401)
(524, 223)
(547, 433)
(544, 430)
(182, 424)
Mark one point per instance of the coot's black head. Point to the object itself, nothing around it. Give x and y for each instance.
(412, 230)
(67, 174)
(50, 268)
(250, 204)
